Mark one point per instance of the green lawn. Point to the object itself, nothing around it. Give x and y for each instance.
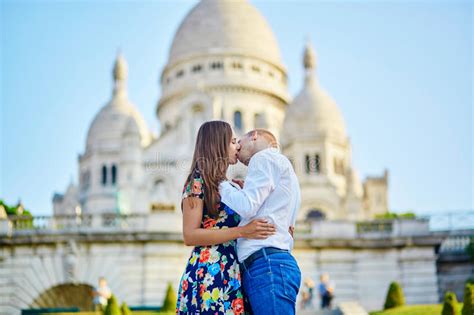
(415, 310)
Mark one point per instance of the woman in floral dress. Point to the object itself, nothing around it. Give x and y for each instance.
(211, 283)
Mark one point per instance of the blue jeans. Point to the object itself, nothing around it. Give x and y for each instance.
(272, 283)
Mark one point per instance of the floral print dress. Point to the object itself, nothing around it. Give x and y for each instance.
(211, 283)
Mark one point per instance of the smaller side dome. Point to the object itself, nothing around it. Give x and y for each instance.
(114, 118)
(313, 112)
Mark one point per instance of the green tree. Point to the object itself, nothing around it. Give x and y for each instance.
(112, 307)
(24, 219)
(450, 305)
(11, 210)
(468, 308)
(125, 310)
(394, 296)
(407, 215)
(169, 305)
(393, 215)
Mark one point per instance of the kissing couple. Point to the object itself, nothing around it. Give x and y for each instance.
(242, 232)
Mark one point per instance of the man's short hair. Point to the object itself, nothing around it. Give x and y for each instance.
(271, 139)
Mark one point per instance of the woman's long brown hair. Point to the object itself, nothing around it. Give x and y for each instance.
(211, 158)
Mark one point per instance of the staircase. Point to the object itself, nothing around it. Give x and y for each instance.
(352, 308)
(319, 312)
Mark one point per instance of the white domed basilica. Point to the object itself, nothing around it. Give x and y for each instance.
(224, 63)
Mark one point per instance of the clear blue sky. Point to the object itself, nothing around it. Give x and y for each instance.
(401, 72)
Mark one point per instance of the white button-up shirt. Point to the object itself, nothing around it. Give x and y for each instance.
(271, 191)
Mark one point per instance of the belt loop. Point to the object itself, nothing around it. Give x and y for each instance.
(264, 253)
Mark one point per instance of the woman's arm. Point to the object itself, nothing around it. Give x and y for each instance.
(241, 183)
(194, 235)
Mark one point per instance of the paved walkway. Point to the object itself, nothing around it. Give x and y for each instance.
(344, 308)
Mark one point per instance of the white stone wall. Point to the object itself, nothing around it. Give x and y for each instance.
(137, 274)
(364, 275)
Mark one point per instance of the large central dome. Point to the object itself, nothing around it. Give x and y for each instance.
(224, 27)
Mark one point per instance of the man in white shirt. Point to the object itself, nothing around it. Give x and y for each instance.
(271, 276)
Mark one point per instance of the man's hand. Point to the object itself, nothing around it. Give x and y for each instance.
(291, 230)
(239, 182)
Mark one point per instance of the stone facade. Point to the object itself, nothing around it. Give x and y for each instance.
(136, 273)
(139, 257)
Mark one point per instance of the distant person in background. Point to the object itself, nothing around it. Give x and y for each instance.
(326, 291)
(307, 294)
(101, 294)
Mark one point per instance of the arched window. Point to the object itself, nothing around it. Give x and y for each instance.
(308, 164)
(197, 68)
(237, 65)
(238, 120)
(317, 164)
(315, 214)
(114, 174)
(313, 164)
(197, 108)
(216, 65)
(104, 175)
(180, 73)
(158, 182)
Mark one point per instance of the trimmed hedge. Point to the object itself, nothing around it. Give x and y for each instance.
(112, 307)
(450, 305)
(125, 310)
(394, 296)
(468, 308)
(169, 305)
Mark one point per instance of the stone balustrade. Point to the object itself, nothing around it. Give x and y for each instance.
(171, 222)
(87, 223)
